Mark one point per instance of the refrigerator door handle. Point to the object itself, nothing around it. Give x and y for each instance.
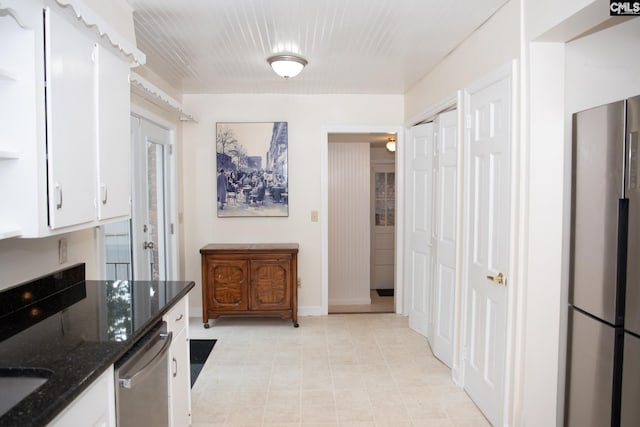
(632, 161)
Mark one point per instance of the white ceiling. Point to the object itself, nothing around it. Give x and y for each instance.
(353, 46)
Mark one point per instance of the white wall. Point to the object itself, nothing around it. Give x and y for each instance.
(25, 259)
(307, 116)
(349, 223)
(491, 46)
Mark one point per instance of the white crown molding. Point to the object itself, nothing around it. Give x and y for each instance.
(158, 97)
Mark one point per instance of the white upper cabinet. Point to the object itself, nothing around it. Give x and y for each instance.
(113, 135)
(69, 97)
(65, 154)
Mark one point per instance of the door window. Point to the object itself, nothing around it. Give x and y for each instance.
(385, 198)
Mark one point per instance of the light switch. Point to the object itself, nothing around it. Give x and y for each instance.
(314, 216)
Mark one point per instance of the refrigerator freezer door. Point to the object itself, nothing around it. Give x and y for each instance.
(598, 184)
(631, 382)
(590, 371)
(632, 313)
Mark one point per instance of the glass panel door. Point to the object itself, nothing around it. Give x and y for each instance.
(140, 248)
(155, 225)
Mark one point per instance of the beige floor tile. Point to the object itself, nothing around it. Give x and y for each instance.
(339, 370)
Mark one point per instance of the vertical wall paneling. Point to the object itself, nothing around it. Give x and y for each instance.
(349, 217)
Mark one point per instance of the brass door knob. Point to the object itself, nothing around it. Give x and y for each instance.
(499, 279)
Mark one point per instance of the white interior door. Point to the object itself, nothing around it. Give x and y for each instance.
(383, 226)
(487, 251)
(419, 202)
(444, 274)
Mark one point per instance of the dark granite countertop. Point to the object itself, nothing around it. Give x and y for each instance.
(75, 329)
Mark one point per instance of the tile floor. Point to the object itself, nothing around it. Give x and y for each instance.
(336, 370)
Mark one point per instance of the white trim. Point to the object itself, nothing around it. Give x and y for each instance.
(350, 301)
(324, 208)
(147, 90)
(431, 113)
(314, 310)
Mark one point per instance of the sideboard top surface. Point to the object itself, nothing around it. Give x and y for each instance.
(248, 247)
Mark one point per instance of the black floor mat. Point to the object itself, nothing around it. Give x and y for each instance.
(200, 350)
(385, 292)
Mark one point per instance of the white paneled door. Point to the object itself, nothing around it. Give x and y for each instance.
(444, 274)
(419, 204)
(487, 250)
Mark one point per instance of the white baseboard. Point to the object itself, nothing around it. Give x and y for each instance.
(350, 301)
(310, 311)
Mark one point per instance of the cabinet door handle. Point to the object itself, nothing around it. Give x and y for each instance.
(175, 367)
(103, 190)
(179, 317)
(58, 196)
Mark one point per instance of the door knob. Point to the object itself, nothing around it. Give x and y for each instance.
(147, 245)
(499, 279)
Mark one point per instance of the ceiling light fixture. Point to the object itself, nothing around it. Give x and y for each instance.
(287, 66)
(391, 144)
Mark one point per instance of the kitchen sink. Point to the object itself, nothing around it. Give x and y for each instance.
(18, 383)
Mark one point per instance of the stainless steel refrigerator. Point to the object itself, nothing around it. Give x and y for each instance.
(603, 358)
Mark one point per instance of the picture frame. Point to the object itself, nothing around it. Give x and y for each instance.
(252, 178)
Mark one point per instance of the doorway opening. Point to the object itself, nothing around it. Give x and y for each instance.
(361, 222)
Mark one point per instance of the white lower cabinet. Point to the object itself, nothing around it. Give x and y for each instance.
(180, 381)
(179, 365)
(95, 407)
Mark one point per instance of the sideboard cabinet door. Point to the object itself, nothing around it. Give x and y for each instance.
(270, 284)
(226, 285)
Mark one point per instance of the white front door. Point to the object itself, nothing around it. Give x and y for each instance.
(444, 274)
(383, 223)
(419, 203)
(151, 224)
(487, 251)
(141, 248)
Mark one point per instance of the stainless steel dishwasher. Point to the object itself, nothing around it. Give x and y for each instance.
(142, 381)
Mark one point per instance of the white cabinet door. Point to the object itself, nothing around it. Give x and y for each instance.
(113, 135)
(70, 123)
(180, 387)
(179, 364)
(95, 407)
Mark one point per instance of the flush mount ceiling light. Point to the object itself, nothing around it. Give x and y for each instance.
(287, 66)
(391, 144)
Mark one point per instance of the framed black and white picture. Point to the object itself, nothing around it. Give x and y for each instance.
(251, 169)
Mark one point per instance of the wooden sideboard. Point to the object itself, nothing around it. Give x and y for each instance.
(250, 280)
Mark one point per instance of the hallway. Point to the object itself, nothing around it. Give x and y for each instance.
(337, 370)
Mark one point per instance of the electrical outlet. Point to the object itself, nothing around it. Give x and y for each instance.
(62, 251)
(314, 216)
(299, 282)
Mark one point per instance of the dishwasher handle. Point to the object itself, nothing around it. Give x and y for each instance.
(130, 381)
